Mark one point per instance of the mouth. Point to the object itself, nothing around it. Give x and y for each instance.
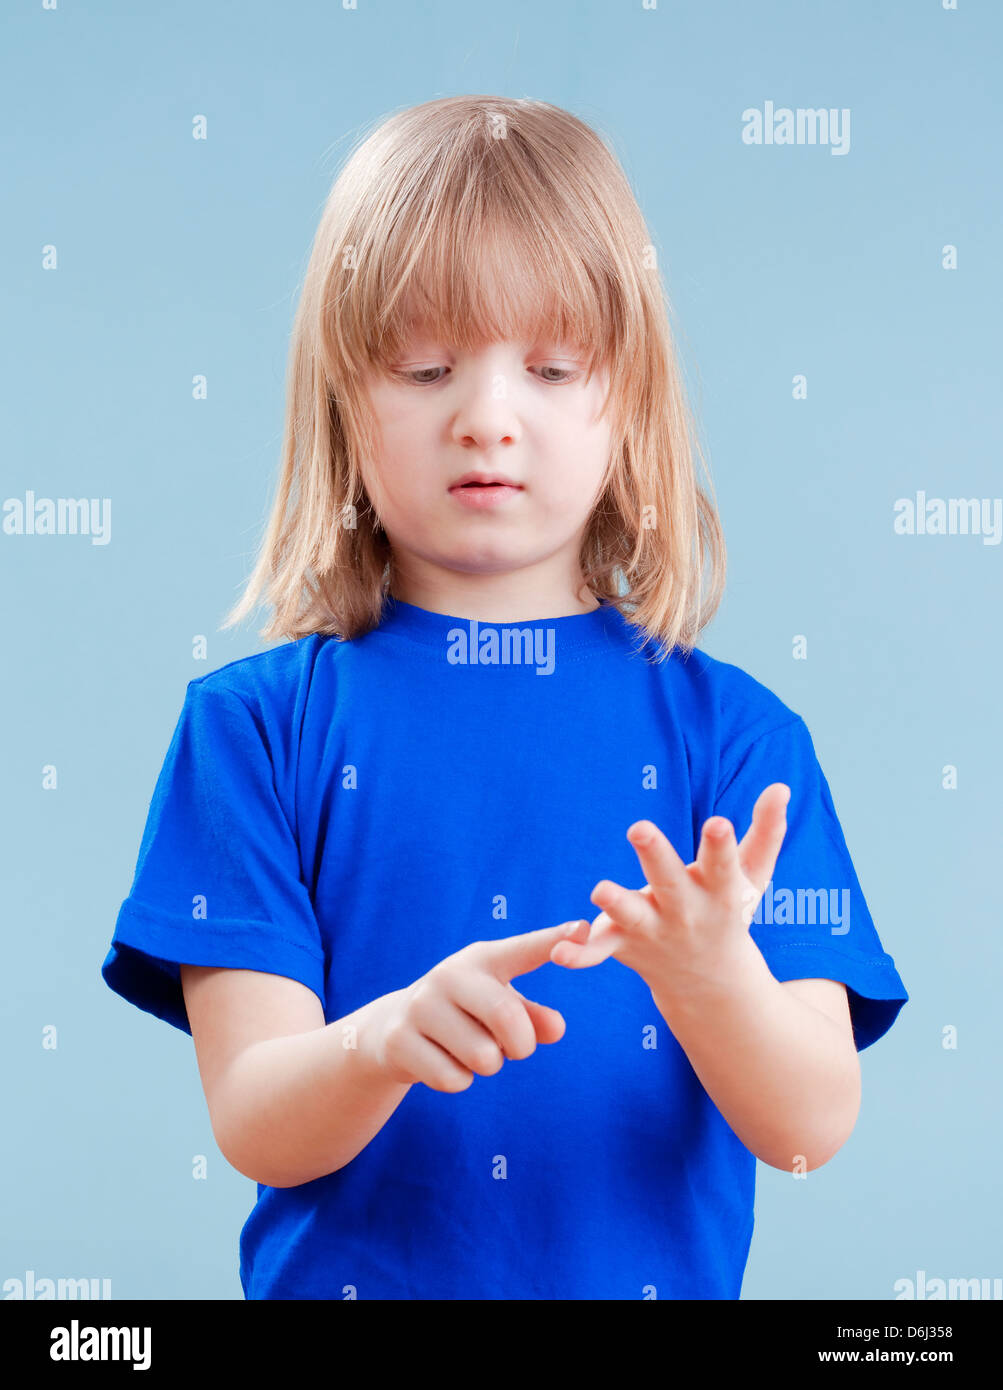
(458, 487)
(478, 493)
(480, 477)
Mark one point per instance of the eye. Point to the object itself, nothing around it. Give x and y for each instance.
(415, 376)
(568, 373)
(421, 376)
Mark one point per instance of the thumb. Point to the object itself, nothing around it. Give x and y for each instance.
(515, 955)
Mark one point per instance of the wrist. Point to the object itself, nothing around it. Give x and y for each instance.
(370, 1025)
(712, 981)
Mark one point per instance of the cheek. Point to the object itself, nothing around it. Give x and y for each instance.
(581, 464)
(397, 472)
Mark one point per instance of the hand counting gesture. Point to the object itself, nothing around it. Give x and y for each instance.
(465, 1016)
(687, 922)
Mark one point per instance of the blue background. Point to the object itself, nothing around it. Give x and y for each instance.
(178, 257)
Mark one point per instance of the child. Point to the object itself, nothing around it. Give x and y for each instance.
(486, 556)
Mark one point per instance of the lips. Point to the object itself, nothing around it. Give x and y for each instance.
(485, 497)
(474, 480)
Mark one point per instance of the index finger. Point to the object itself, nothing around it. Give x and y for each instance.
(515, 955)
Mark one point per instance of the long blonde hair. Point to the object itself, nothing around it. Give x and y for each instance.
(426, 205)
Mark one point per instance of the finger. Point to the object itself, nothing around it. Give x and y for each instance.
(717, 855)
(458, 1033)
(664, 870)
(516, 955)
(548, 1023)
(762, 842)
(496, 1007)
(431, 1064)
(592, 952)
(577, 938)
(629, 908)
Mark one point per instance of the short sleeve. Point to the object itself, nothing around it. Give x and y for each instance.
(813, 921)
(218, 880)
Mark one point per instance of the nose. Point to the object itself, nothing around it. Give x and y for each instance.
(486, 414)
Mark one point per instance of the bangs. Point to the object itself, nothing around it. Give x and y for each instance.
(499, 289)
(480, 253)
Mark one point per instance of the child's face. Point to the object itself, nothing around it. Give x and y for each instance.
(514, 409)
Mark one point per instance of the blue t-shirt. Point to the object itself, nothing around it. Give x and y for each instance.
(348, 813)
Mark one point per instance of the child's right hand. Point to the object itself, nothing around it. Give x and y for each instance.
(464, 1016)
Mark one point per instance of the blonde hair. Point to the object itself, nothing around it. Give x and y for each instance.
(425, 207)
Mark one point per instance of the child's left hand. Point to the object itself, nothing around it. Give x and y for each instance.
(688, 921)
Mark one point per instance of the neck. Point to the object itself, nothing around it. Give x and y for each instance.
(512, 601)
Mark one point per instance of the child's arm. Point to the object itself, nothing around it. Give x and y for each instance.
(286, 1100)
(783, 1072)
(292, 1099)
(778, 1060)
